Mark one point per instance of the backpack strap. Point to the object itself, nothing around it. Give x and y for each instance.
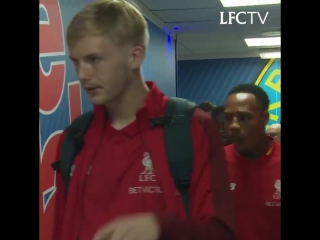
(71, 145)
(178, 143)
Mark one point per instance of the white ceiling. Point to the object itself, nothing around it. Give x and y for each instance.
(200, 34)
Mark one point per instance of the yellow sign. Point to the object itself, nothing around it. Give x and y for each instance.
(270, 81)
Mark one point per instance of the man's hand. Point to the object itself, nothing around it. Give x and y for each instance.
(132, 227)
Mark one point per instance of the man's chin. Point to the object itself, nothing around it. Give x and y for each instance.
(97, 100)
(239, 146)
(227, 141)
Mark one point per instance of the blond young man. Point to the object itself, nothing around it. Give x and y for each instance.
(116, 191)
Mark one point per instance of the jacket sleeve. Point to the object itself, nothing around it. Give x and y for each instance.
(212, 215)
(60, 199)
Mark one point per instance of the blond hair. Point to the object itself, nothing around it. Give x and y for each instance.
(120, 20)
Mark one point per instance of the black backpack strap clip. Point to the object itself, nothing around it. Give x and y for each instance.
(162, 121)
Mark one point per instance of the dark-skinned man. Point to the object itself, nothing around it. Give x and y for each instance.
(254, 164)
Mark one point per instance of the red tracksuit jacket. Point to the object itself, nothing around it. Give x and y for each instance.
(126, 171)
(256, 185)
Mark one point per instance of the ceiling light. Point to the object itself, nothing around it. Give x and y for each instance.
(271, 34)
(242, 3)
(263, 42)
(270, 55)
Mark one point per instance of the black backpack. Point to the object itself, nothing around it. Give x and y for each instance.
(178, 143)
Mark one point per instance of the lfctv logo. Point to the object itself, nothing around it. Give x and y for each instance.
(231, 17)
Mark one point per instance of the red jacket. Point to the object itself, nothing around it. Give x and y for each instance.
(79, 215)
(256, 185)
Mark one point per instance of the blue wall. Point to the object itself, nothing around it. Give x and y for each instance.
(160, 63)
(61, 98)
(211, 80)
(202, 80)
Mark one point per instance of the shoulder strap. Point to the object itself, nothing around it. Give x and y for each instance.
(178, 142)
(72, 144)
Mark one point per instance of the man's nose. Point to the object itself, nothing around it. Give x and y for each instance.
(84, 72)
(234, 125)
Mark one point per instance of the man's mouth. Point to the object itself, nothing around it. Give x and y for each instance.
(236, 139)
(90, 89)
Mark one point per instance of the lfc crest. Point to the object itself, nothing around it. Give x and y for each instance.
(277, 185)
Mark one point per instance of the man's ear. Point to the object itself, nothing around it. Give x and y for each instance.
(266, 116)
(137, 56)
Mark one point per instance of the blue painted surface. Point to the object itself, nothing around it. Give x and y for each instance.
(211, 80)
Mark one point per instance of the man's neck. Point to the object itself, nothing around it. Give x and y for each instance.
(259, 150)
(122, 111)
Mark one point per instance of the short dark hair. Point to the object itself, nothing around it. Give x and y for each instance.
(258, 92)
(207, 106)
(217, 111)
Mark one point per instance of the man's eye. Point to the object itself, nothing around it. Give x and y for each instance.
(243, 117)
(228, 118)
(75, 62)
(93, 59)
